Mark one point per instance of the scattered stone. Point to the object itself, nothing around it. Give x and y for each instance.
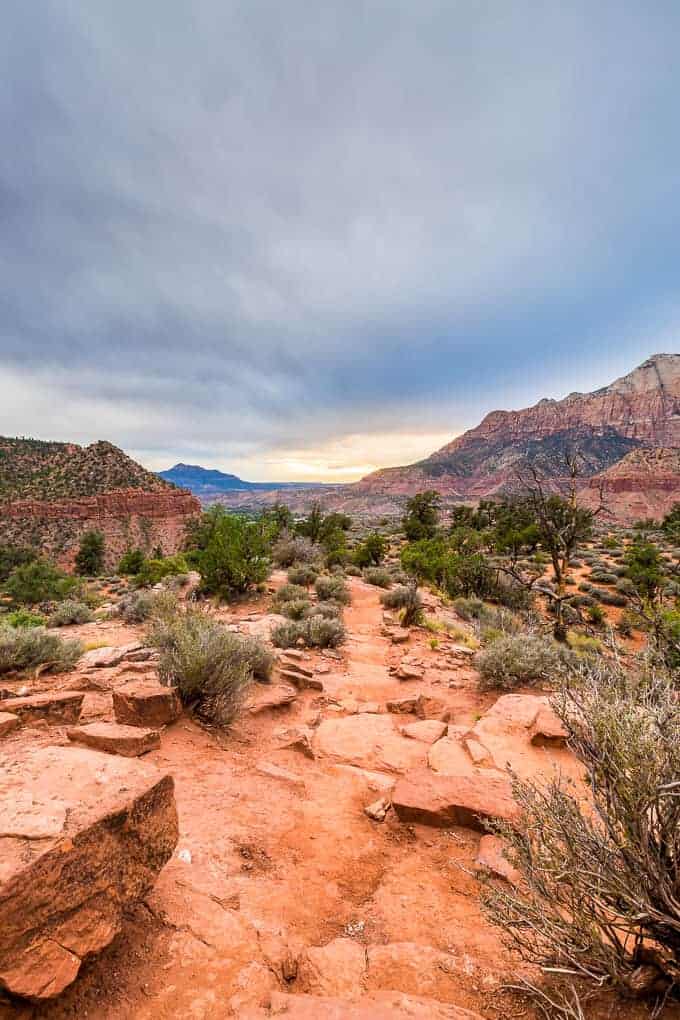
(461, 651)
(547, 729)
(491, 858)
(399, 635)
(141, 655)
(303, 681)
(369, 707)
(52, 707)
(377, 811)
(271, 771)
(409, 671)
(8, 722)
(84, 836)
(114, 738)
(428, 707)
(427, 730)
(431, 798)
(295, 739)
(295, 666)
(144, 704)
(269, 697)
(403, 706)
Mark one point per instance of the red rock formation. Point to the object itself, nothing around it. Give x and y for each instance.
(645, 483)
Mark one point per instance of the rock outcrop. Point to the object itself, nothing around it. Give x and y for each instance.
(82, 836)
(645, 483)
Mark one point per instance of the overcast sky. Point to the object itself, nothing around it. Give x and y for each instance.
(304, 239)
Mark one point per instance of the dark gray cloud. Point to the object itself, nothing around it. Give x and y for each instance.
(232, 230)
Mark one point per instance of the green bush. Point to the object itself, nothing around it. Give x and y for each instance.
(211, 667)
(70, 612)
(287, 635)
(131, 562)
(24, 648)
(329, 610)
(610, 598)
(295, 609)
(155, 570)
(290, 593)
(139, 606)
(12, 556)
(39, 581)
(371, 551)
(316, 632)
(332, 588)
(378, 576)
(302, 575)
(236, 556)
(595, 615)
(407, 598)
(22, 618)
(90, 555)
(518, 660)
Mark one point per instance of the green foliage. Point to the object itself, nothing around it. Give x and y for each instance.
(24, 648)
(332, 589)
(39, 581)
(131, 562)
(405, 597)
(22, 618)
(645, 568)
(422, 515)
(12, 556)
(671, 523)
(371, 551)
(290, 593)
(90, 555)
(153, 571)
(139, 606)
(70, 612)
(518, 660)
(315, 632)
(295, 609)
(378, 576)
(235, 556)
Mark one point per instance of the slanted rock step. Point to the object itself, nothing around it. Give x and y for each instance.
(430, 798)
(52, 707)
(115, 738)
(145, 704)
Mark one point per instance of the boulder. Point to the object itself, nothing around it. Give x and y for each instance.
(302, 681)
(8, 722)
(295, 739)
(84, 835)
(547, 729)
(403, 706)
(429, 798)
(427, 730)
(104, 658)
(114, 738)
(377, 810)
(399, 635)
(51, 707)
(144, 704)
(369, 741)
(269, 697)
(428, 707)
(409, 671)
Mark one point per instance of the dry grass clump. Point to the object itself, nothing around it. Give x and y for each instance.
(70, 612)
(332, 589)
(519, 660)
(24, 648)
(315, 632)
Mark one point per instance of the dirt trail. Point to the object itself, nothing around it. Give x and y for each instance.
(285, 884)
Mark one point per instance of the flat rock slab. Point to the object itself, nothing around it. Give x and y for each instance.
(144, 704)
(8, 722)
(52, 707)
(547, 729)
(429, 798)
(83, 835)
(427, 730)
(115, 738)
(103, 658)
(375, 1006)
(369, 741)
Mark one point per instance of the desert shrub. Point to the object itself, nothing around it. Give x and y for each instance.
(139, 606)
(329, 610)
(287, 634)
(174, 582)
(39, 581)
(405, 597)
(595, 615)
(131, 562)
(371, 551)
(295, 609)
(625, 586)
(628, 621)
(610, 598)
(234, 555)
(378, 576)
(290, 549)
(12, 556)
(518, 660)
(23, 648)
(579, 601)
(23, 618)
(586, 586)
(290, 593)
(332, 589)
(302, 574)
(469, 609)
(154, 571)
(211, 667)
(90, 555)
(69, 612)
(603, 577)
(596, 897)
(583, 645)
(352, 570)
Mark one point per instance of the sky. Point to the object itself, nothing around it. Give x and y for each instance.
(304, 240)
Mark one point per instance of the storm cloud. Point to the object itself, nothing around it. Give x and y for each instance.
(313, 237)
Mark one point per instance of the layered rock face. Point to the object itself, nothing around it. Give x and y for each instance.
(640, 410)
(645, 483)
(83, 835)
(50, 494)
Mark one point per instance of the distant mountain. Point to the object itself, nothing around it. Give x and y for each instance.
(640, 410)
(209, 484)
(51, 493)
